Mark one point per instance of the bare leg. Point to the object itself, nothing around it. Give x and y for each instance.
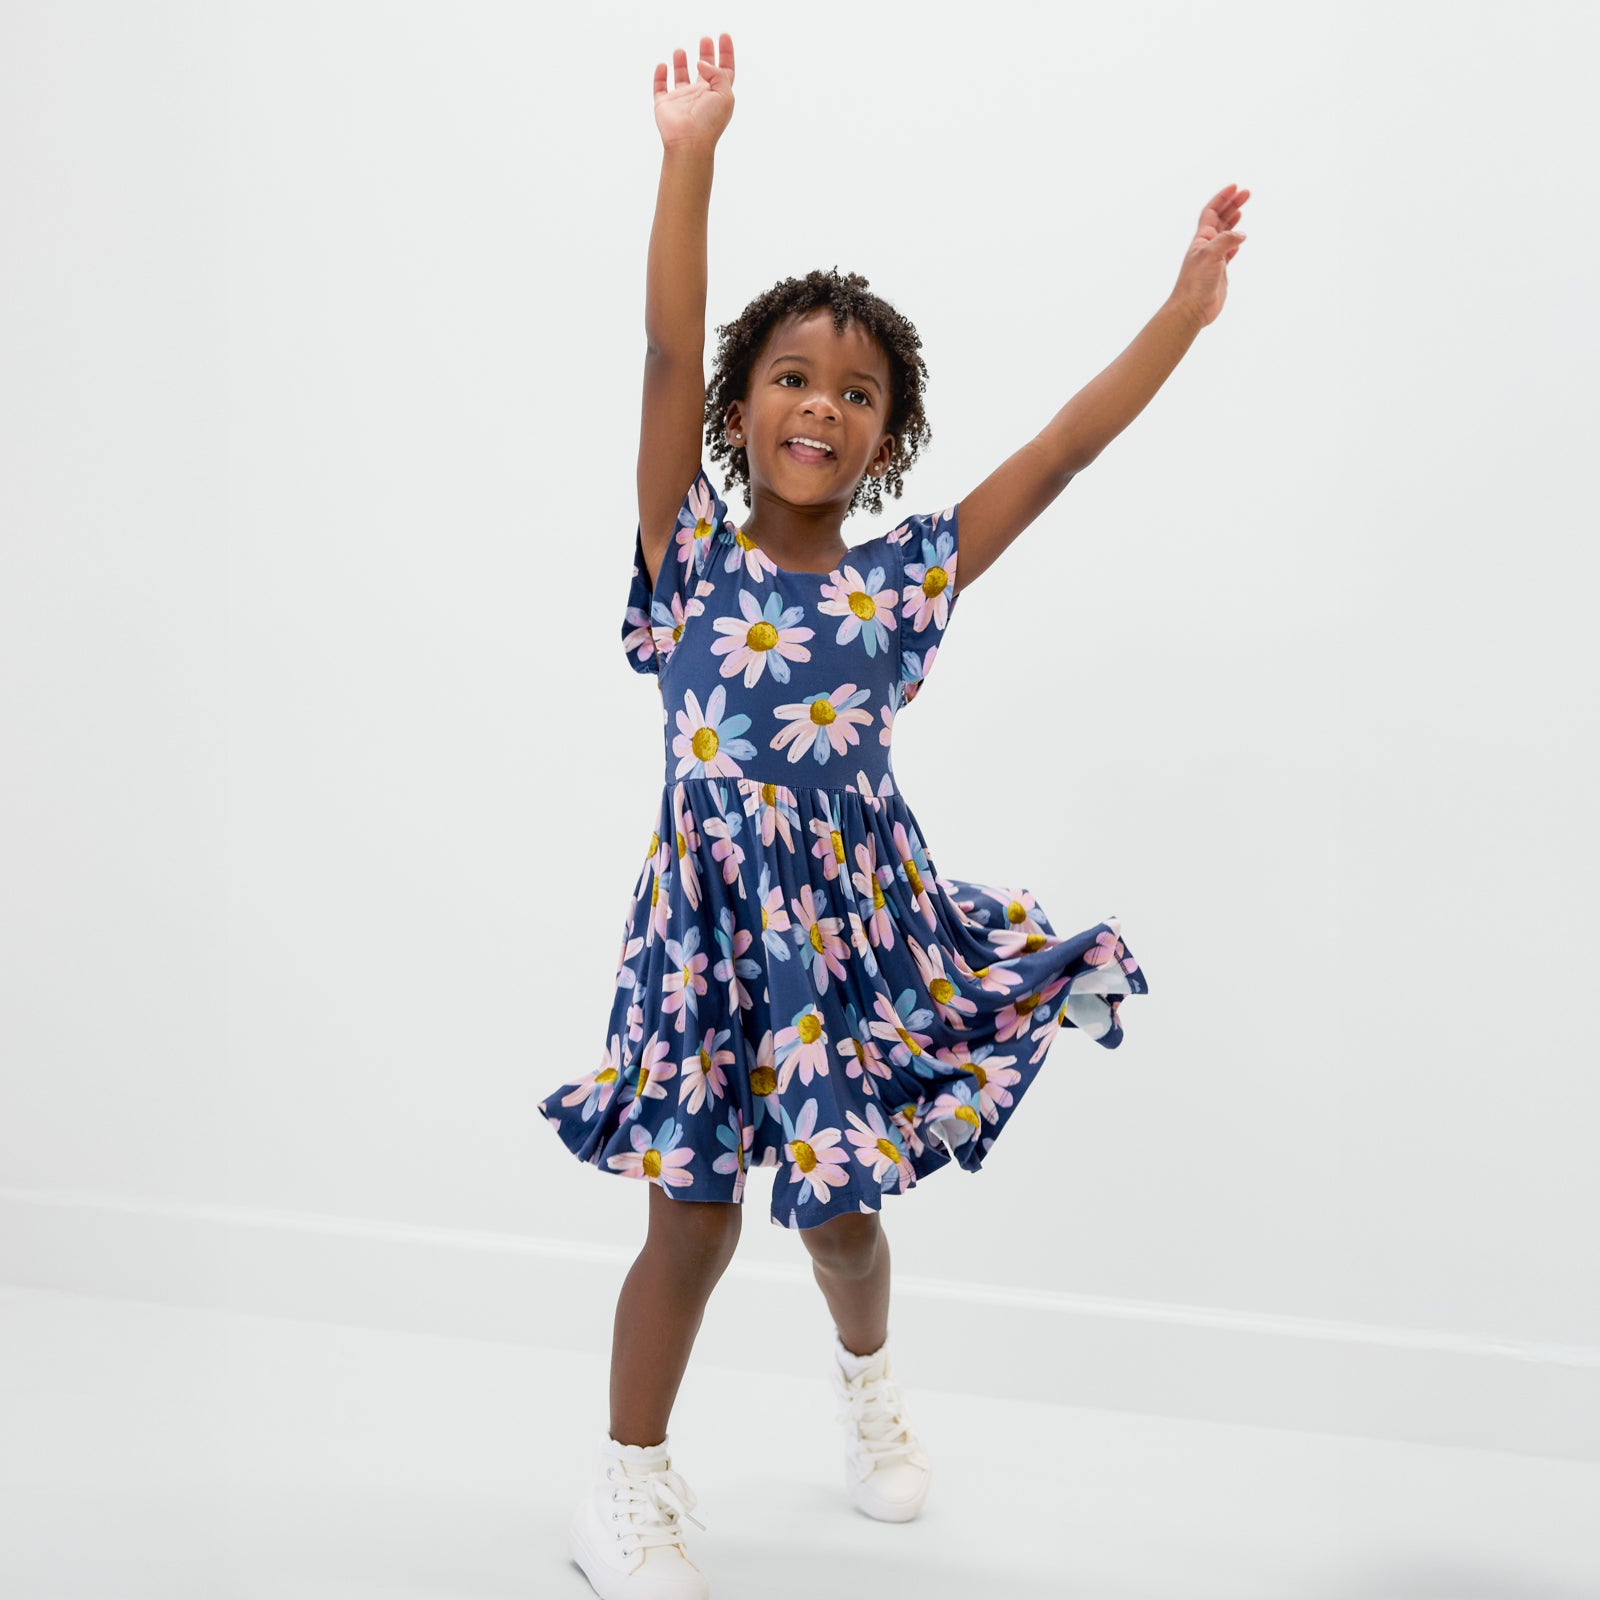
(663, 1298)
(850, 1261)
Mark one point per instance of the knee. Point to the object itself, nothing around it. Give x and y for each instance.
(700, 1235)
(847, 1246)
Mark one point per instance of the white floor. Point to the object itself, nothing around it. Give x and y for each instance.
(150, 1450)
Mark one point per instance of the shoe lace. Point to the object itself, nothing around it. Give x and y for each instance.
(875, 1408)
(652, 1502)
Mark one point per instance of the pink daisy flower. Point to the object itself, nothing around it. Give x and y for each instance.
(818, 939)
(802, 1047)
(814, 1162)
(705, 1072)
(868, 612)
(878, 1147)
(763, 636)
(707, 742)
(823, 724)
(862, 1058)
(596, 1088)
(737, 1136)
(658, 1159)
(654, 1071)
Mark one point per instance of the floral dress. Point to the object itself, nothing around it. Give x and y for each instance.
(798, 986)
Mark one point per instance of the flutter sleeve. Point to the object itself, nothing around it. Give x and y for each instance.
(656, 615)
(929, 551)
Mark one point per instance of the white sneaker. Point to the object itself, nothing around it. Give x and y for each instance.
(626, 1536)
(887, 1471)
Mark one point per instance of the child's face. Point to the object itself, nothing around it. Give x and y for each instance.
(832, 387)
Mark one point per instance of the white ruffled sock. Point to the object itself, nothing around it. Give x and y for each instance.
(633, 1452)
(853, 1364)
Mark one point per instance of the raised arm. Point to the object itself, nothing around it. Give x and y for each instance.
(1019, 489)
(691, 117)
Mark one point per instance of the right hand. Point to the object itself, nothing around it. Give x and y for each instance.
(695, 113)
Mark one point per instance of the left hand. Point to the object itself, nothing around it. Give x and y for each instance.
(1203, 279)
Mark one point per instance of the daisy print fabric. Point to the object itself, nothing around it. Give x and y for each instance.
(798, 986)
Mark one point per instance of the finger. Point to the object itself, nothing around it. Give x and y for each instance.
(661, 79)
(707, 53)
(725, 45)
(680, 68)
(1219, 200)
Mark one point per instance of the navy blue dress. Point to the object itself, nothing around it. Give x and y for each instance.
(798, 986)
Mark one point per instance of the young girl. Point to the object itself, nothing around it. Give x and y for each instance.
(799, 987)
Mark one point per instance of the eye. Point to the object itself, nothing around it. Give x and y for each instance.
(866, 398)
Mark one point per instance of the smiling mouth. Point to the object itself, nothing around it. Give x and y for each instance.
(804, 452)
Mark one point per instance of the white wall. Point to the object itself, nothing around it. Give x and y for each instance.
(326, 781)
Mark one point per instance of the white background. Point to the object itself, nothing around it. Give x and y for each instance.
(325, 777)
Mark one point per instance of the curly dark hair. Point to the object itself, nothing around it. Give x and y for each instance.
(741, 340)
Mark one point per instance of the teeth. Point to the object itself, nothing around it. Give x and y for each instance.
(816, 444)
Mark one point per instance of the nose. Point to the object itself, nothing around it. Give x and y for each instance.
(818, 402)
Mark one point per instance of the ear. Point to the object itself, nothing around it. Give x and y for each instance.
(884, 456)
(733, 421)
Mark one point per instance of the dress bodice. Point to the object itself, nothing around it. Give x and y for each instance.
(784, 676)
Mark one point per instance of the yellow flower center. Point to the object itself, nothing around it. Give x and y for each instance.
(980, 972)
(978, 1073)
(702, 528)
(1035, 941)
(655, 843)
(810, 1026)
(967, 1114)
(763, 1080)
(838, 845)
(677, 632)
(705, 1059)
(652, 1163)
(683, 844)
(889, 1150)
(1026, 1004)
(941, 989)
(644, 1078)
(815, 936)
(804, 1156)
(762, 636)
(913, 877)
(704, 743)
(1015, 912)
(763, 919)
(606, 1075)
(863, 605)
(916, 1049)
(822, 712)
(769, 793)
(655, 890)
(877, 893)
(934, 580)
